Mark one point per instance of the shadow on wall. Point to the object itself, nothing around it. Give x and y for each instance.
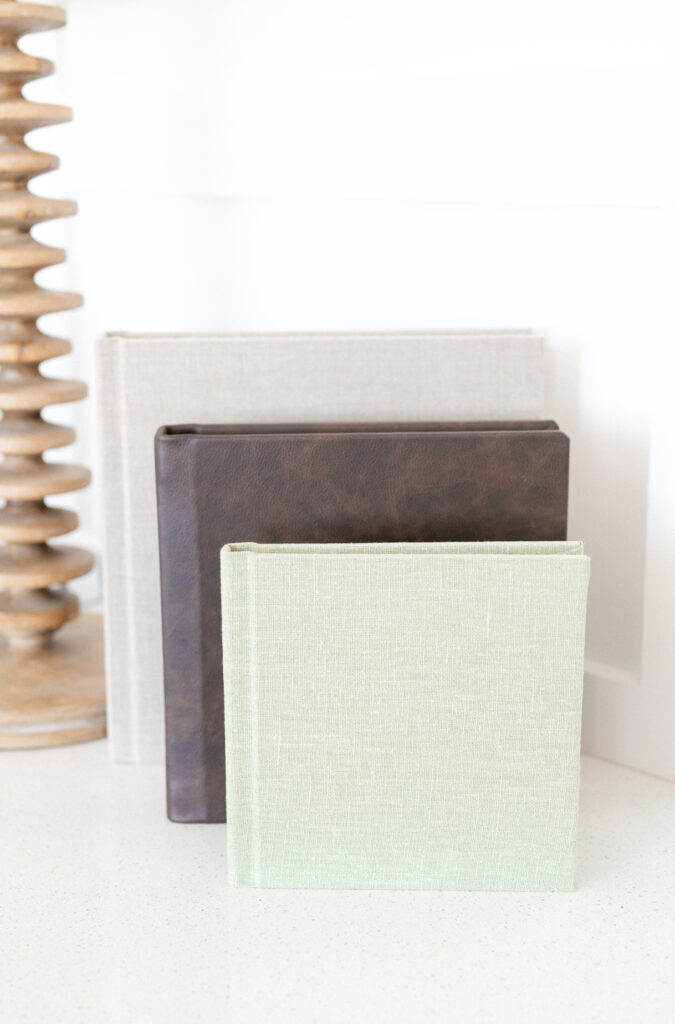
(609, 477)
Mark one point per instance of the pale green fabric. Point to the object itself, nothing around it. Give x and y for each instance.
(403, 716)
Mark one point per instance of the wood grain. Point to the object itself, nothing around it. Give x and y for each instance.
(56, 696)
(33, 598)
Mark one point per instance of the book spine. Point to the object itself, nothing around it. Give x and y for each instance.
(141, 604)
(191, 795)
(241, 750)
(114, 549)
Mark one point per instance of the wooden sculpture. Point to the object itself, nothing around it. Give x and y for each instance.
(50, 689)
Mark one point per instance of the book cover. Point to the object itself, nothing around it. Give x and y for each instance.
(320, 483)
(144, 381)
(403, 716)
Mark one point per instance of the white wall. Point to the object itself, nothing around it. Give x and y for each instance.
(250, 164)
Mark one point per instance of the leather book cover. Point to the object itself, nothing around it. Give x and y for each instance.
(320, 483)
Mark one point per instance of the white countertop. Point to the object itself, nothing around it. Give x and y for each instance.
(108, 912)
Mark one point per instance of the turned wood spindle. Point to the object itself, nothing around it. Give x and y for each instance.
(52, 684)
(33, 600)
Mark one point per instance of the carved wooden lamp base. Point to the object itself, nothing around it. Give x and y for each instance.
(57, 695)
(51, 683)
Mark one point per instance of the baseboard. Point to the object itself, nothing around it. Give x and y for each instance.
(627, 722)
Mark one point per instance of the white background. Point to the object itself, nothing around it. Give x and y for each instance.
(295, 164)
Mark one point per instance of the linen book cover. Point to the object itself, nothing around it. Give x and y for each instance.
(403, 716)
(320, 483)
(144, 381)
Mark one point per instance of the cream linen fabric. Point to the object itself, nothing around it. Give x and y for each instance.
(147, 381)
(403, 716)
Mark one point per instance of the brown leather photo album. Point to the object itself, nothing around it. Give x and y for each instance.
(319, 483)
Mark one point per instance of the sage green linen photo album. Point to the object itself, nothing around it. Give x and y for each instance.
(403, 716)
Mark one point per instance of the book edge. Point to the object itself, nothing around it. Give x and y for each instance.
(114, 550)
(186, 791)
(237, 591)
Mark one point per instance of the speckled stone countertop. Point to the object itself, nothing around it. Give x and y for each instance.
(108, 912)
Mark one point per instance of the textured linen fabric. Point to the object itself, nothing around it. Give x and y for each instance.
(146, 381)
(403, 716)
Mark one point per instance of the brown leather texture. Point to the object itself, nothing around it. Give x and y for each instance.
(318, 483)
